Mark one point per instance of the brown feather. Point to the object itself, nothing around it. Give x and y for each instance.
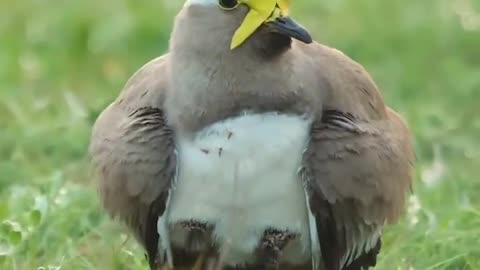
(358, 173)
(132, 150)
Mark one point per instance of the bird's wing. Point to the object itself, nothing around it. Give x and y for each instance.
(132, 150)
(357, 167)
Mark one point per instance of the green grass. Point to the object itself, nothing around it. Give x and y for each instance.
(62, 62)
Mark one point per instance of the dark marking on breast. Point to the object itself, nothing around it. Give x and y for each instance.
(271, 247)
(198, 235)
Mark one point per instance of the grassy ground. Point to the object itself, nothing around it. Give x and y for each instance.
(62, 63)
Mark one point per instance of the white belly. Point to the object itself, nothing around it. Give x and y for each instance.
(241, 175)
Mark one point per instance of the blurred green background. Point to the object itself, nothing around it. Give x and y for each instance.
(62, 62)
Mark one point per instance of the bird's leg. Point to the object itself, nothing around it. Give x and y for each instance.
(225, 249)
(161, 264)
(166, 266)
(198, 265)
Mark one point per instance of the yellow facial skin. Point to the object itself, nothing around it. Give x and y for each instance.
(261, 11)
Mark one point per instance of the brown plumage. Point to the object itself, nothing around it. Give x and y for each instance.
(357, 167)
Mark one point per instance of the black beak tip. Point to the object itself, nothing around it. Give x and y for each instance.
(288, 27)
(307, 38)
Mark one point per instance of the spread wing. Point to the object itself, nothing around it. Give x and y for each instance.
(357, 167)
(132, 150)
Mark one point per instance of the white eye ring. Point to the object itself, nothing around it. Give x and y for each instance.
(228, 4)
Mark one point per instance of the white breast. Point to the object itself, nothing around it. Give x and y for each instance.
(241, 175)
(201, 2)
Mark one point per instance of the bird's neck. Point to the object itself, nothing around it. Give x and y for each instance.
(208, 88)
(210, 82)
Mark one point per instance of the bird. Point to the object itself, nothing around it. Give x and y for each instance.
(248, 145)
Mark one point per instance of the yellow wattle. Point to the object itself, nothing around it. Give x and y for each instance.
(260, 12)
(252, 21)
(284, 5)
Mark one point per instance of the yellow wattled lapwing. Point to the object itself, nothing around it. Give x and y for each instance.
(248, 146)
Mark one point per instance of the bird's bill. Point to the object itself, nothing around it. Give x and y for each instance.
(288, 27)
(274, 14)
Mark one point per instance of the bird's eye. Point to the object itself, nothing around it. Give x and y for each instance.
(228, 4)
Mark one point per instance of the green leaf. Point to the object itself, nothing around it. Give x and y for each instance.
(40, 209)
(15, 237)
(13, 231)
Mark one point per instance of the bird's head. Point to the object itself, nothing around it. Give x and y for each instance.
(239, 22)
(273, 14)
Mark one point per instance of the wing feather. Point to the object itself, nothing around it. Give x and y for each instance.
(132, 149)
(358, 173)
